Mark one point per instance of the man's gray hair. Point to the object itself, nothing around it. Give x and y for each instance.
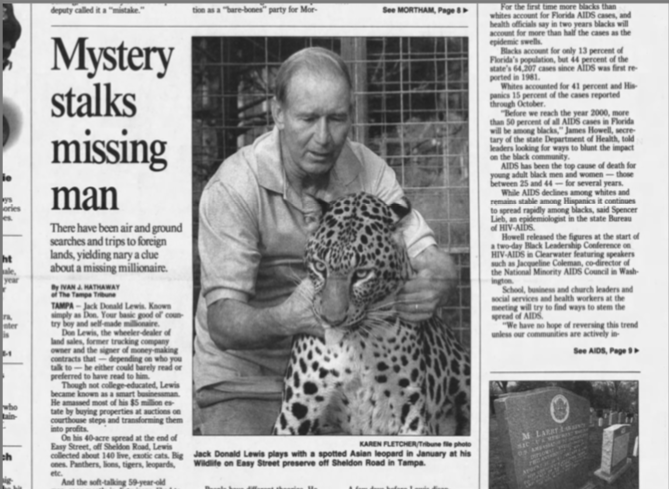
(315, 60)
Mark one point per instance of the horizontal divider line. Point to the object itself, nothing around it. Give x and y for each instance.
(122, 26)
(565, 372)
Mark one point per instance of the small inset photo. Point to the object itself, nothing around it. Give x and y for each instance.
(564, 435)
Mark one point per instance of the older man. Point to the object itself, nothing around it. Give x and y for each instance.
(252, 241)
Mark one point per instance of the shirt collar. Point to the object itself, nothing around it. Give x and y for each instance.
(272, 176)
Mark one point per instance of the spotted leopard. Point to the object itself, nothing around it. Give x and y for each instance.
(374, 374)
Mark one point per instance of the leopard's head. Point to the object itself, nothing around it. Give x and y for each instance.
(356, 258)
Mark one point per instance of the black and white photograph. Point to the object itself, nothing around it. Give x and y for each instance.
(331, 202)
(564, 434)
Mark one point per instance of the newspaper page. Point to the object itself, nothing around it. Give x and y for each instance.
(434, 234)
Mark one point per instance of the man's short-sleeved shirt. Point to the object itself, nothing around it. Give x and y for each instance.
(252, 241)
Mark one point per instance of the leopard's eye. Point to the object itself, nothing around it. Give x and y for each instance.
(359, 275)
(319, 266)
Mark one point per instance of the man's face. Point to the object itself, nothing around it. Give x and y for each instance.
(314, 123)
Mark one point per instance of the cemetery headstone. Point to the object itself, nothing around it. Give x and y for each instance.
(614, 452)
(544, 436)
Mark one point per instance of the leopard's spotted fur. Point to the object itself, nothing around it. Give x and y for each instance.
(375, 374)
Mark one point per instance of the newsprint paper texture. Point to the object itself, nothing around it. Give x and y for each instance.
(150, 294)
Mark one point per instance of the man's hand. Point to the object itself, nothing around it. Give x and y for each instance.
(422, 295)
(235, 325)
(296, 314)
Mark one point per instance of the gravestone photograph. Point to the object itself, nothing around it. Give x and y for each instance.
(562, 435)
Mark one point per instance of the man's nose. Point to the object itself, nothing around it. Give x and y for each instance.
(323, 136)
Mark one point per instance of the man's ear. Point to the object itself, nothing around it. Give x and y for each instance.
(278, 114)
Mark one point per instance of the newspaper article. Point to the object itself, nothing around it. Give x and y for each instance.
(432, 235)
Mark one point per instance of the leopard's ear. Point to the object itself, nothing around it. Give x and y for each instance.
(313, 210)
(402, 210)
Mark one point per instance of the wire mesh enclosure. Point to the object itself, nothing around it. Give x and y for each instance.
(411, 108)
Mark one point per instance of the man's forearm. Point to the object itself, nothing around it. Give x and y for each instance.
(235, 325)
